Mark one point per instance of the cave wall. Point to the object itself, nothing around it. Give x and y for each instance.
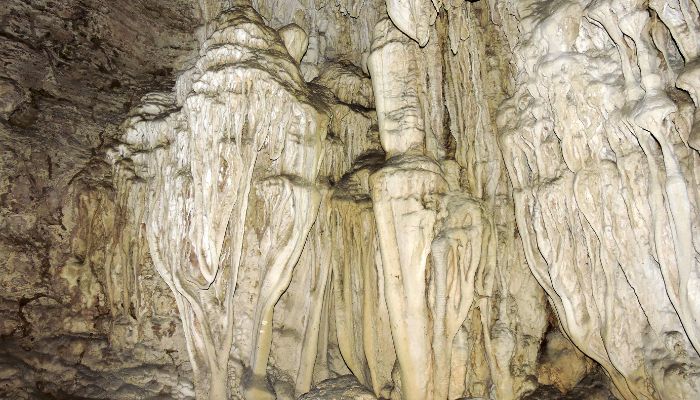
(400, 199)
(70, 72)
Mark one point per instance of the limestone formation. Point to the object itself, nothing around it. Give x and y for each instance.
(377, 199)
(596, 139)
(295, 40)
(197, 164)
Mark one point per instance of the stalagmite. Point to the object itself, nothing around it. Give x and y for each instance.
(408, 193)
(283, 241)
(456, 259)
(404, 196)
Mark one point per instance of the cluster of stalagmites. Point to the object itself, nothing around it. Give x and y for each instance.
(398, 230)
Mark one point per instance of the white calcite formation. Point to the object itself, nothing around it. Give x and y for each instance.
(377, 199)
(600, 149)
(199, 157)
(438, 242)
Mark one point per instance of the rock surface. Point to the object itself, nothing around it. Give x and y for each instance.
(302, 199)
(69, 303)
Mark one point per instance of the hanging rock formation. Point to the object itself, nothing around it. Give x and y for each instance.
(199, 156)
(597, 141)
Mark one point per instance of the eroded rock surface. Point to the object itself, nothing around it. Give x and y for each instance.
(76, 320)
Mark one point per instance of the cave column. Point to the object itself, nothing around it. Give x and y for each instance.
(405, 194)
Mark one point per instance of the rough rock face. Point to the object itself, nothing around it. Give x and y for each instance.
(411, 199)
(69, 73)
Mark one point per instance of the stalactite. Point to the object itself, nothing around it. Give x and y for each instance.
(597, 169)
(198, 198)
